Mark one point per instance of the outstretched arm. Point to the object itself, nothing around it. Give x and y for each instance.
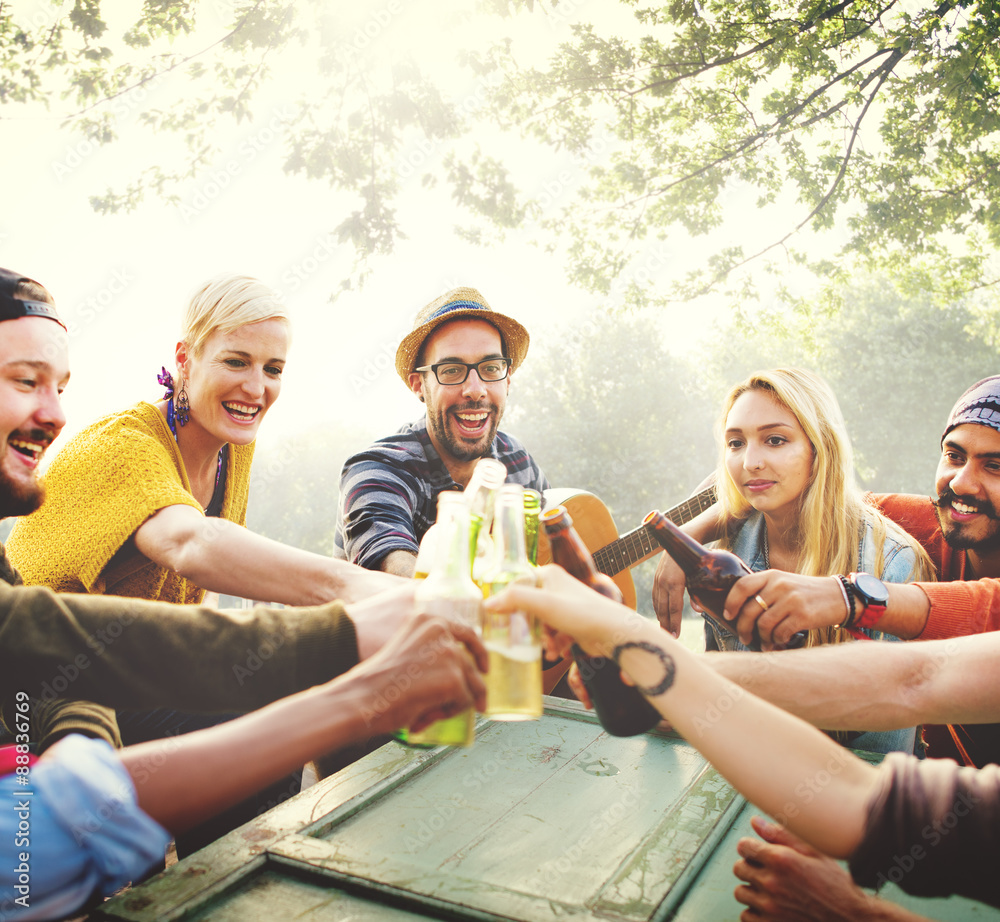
(222, 556)
(875, 686)
(783, 765)
(182, 780)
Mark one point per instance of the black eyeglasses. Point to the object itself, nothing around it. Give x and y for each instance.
(489, 370)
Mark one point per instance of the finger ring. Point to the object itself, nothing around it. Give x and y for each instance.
(761, 602)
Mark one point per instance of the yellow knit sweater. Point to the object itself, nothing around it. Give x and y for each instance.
(99, 489)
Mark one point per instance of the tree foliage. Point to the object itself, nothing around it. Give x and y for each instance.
(896, 361)
(874, 120)
(881, 118)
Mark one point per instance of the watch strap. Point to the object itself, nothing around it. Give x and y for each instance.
(872, 611)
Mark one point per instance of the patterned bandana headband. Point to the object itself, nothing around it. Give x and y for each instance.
(980, 405)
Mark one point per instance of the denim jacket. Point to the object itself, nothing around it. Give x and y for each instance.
(898, 566)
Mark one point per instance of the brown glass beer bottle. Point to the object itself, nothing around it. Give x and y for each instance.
(621, 708)
(710, 574)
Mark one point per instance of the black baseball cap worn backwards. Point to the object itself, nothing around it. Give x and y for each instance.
(12, 308)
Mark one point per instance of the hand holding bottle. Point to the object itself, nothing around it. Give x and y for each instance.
(795, 603)
(711, 574)
(573, 613)
(621, 710)
(429, 670)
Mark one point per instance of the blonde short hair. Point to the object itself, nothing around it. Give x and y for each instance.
(226, 303)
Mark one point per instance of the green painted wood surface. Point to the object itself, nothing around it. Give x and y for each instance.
(710, 897)
(539, 821)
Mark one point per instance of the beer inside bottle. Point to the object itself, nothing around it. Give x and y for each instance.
(513, 640)
(621, 708)
(710, 574)
(448, 592)
(532, 513)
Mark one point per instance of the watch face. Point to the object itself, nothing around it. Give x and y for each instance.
(871, 589)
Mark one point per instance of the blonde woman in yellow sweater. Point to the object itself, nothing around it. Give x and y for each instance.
(150, 502)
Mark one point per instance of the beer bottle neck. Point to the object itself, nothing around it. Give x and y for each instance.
(687, 552)
(452, 559)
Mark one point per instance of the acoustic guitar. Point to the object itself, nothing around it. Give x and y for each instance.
(615, 555)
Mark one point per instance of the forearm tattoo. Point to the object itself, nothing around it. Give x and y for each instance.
(664, 657)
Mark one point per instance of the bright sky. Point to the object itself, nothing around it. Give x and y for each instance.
(122, 281)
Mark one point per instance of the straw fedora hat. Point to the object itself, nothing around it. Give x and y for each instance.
(459, 304)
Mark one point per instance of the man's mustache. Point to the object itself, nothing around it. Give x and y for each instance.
(947, 497)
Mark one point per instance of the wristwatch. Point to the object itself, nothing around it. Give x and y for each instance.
(873, 595)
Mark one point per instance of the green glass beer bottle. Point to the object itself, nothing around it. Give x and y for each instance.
(532, 512)
(448, 591)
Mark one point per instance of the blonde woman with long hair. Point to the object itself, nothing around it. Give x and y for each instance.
(788, 500)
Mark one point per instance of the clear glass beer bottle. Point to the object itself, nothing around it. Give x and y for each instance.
(513, 640)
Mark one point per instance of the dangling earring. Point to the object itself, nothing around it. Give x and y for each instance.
(183, 408)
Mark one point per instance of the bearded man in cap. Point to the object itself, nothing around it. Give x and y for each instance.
(100, 818)
(458, 360)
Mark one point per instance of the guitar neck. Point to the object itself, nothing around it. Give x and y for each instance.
(638, 545)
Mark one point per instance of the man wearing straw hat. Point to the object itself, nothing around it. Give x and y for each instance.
(458, 360)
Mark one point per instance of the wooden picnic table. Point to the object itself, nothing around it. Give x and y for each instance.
(540, 820)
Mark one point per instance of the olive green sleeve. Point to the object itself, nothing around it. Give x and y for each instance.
(130, 653)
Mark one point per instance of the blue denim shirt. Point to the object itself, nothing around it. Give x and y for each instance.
(72, 832)
(898, 566)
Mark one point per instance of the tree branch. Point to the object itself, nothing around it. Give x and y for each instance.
(174, 66)
(750, 52)
(886, 69)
